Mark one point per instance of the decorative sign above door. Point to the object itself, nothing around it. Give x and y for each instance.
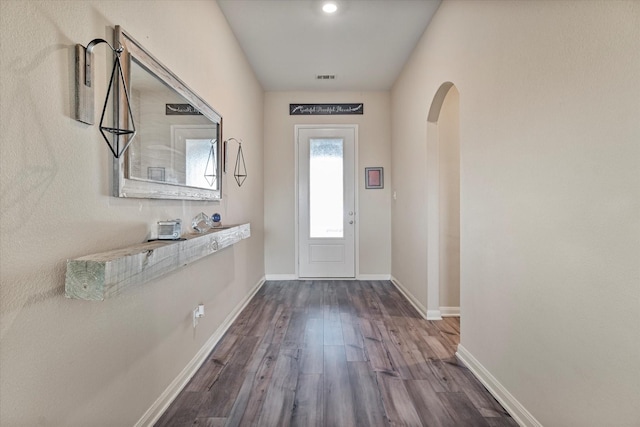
(325, 109)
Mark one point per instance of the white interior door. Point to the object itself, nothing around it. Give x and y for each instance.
(326, 201)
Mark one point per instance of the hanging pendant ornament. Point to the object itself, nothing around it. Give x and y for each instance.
(115, 145)
(240, 171)
(210, 169)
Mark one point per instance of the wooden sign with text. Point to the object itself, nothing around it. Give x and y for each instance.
(181, 110)
(325, 109)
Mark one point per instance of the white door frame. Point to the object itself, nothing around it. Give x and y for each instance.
(296, 130)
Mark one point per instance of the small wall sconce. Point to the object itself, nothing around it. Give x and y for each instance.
(85, 97)
(240, 169)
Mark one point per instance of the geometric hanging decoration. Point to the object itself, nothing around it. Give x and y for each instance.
(117, 138)
(240, 170)
(210, 169)
(117, 146)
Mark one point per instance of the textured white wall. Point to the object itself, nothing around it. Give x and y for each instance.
(373, 150)
(550, 196)
(75, 363)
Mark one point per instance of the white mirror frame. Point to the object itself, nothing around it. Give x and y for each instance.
(123, 185)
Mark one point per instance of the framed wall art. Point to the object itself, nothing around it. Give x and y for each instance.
(373, 178)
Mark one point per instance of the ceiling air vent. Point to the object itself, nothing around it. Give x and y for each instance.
(326, 77)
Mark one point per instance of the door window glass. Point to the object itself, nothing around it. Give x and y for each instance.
(326, 188)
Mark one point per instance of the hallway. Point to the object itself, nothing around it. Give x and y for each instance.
(335, 353)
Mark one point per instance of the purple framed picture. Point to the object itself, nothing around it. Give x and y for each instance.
(373, 178)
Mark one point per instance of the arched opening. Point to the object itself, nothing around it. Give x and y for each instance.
(443, 204)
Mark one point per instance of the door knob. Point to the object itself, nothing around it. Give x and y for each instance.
(351, 222)
(351, 213)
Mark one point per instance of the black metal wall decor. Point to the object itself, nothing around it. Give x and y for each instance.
(325, 109)
(240, 171)
(210, 173)
(240, 168)
(118, 139)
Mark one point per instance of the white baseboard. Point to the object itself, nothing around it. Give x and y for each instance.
(434, 315)
(502, 395)
(450, 311)
(427, 314)
(374, 277)
(156, 410)
(408, 295)
(277, 277)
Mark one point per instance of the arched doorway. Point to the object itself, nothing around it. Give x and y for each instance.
(443, 204)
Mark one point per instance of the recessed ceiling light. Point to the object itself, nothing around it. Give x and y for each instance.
(329, 7)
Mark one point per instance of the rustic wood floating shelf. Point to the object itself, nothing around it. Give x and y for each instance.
(99, 276)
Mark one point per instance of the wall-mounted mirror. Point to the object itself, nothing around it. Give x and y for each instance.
(176, 153)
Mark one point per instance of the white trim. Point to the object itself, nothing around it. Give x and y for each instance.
(433, 220)
(427, 314)
(408, 295)
(280, 277)
(450, 311)
(356, 195)
(434, 315)
(153, 414)
(296, 196)
(374, 277)
(502, 395)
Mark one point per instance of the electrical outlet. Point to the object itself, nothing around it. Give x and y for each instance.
(198, 312)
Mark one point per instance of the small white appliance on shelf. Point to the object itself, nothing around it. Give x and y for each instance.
(170, 229)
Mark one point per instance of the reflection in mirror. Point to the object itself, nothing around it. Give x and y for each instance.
(176, 152)
(175, 140)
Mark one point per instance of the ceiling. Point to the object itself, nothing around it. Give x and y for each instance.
(364, 44)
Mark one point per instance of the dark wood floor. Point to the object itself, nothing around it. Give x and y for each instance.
(335, 353)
